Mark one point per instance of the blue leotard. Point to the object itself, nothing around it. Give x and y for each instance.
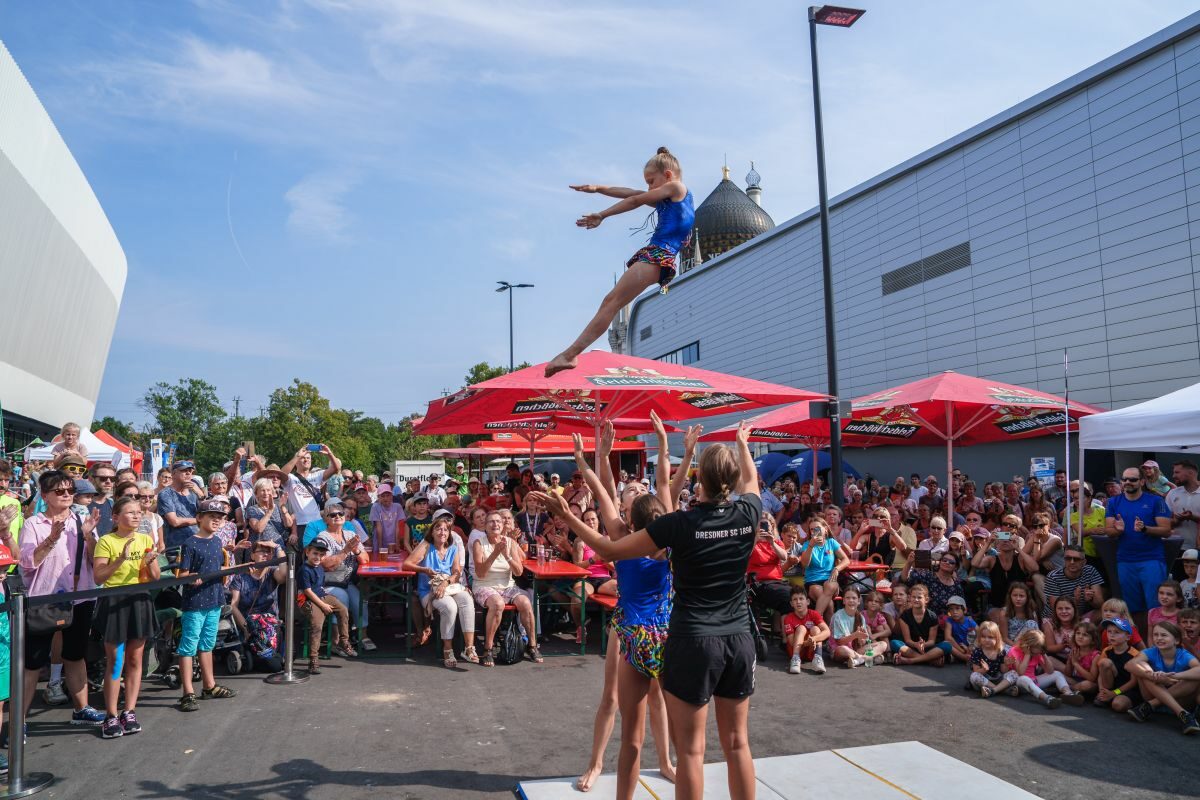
(675, 221)
(645, 591)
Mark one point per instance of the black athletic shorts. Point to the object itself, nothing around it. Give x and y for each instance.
(695, 668)
(74, 639)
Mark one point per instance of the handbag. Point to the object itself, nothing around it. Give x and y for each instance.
(52, 617)
(509, 647)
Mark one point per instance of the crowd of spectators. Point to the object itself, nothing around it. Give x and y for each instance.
(1002, 582)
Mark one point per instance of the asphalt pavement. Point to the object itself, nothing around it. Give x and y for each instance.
(395, 728)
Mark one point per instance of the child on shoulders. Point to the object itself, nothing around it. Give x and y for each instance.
(805, 631)
(1021, 667)
(987, 661)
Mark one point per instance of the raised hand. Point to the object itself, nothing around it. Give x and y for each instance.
(7, 515)
(692, 436)
(743, 433)
(657, 422)
(587, 188)
(589, 221)
(580, 456)
(608, 435)
(555, 503)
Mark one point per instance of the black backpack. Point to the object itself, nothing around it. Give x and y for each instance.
(509, 647)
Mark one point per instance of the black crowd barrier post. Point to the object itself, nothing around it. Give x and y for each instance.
(19, 784)
(289, 675)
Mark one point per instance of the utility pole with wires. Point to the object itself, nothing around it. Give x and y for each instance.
(237, 405)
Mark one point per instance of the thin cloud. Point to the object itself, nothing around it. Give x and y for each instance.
(317, 207)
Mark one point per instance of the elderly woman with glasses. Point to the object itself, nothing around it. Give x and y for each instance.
(942, 581)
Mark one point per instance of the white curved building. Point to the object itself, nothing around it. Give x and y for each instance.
(59, 254)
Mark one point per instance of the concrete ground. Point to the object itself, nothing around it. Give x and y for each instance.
(391, 728)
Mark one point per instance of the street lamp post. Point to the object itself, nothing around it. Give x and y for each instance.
(842, 18)
(505, 286)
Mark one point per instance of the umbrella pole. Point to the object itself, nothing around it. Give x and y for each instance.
(949, 465)
(1079, 539)
(813, 451)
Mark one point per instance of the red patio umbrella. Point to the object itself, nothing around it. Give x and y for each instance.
(605, 386)
(951, 408)
(788, 424)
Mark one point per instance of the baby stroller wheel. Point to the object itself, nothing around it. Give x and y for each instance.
(171, 677)
(233, 662)
(760, 646)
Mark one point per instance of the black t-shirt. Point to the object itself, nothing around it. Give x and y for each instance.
(710, 547)
(921, 628)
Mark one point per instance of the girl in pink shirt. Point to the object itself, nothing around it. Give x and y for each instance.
(1022, 665)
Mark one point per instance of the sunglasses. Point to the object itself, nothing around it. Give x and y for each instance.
(65, 492)
(336, 514)
(936, 528)
(74, 470)
(1130, 480)
(145, 497)
(106, 478)
(1072, 558)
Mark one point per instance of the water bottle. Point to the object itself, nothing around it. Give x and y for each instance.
(869, 654)
(541, 555)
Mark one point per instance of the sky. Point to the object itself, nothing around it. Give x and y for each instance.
(330, 189)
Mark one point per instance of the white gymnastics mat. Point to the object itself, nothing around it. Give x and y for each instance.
(897, 771)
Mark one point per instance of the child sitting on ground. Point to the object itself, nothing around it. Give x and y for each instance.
(878, 625)
(1189, 624)
(317, 604)
(959, 629)
(1170, 601)
(1059, 630)
(851, 636)
(1021, 612)
(804, 630)
(1118, 688)
(919, 630)
(1021, 667)
(1167, 675)
(1083, 662)
(987, 661)
(896, 606)
(1116, 609)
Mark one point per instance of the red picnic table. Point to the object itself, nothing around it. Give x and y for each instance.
(880, 569)
(384, 581)
(556, 571)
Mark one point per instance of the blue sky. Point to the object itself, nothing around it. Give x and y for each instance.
(329, 189)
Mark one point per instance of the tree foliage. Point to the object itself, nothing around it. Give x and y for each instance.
(483, 371)
(122, 430)
(183, 413)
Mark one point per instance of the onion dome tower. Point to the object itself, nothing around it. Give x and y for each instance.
(729, 216)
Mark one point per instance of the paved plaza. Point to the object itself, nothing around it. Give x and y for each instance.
(393, 729)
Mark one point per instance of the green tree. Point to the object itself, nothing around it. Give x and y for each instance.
(122, 430)
(183, 413)
(483, 371)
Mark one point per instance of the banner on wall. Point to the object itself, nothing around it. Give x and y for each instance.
(1043, 470)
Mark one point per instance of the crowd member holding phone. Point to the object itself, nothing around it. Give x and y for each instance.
(767, 560)
(124, 557)
(710, 649)
(344, 554)
(1001, 558)
(304, 483)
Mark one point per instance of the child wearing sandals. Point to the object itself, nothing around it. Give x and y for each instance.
(202, 553)
(1021, 668)
(987, 661)
(1083, 660)
(852, 638)
(919, 630)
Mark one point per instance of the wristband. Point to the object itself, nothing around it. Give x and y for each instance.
(1116, 691)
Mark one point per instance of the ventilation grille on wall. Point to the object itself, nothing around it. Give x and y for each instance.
(645, 332)
(928, 268)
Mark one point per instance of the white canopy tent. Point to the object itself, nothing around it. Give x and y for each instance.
(1169, 423)
(97, 450)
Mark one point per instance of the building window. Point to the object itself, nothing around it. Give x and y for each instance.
(688, 354)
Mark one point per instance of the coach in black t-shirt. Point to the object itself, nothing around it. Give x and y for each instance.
(709, 650)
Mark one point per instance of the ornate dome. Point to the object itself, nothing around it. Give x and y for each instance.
(728, 217)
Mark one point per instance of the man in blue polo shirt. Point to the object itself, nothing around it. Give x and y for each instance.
(1141, 520)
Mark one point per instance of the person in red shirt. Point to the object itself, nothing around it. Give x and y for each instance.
(804, 630)
(771, 591)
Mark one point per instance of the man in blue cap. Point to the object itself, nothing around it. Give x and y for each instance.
(177, 505)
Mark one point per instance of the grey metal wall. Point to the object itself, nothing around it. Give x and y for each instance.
(1082, 209)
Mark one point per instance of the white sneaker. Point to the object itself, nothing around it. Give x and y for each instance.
(818, 663)
(55, 695)
(794, 668)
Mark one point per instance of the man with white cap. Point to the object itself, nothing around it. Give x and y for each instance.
(1184, 501)
(460, 477)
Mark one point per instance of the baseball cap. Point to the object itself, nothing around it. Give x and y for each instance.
(384, 488)
(179, 466)
(419, 497)
(956, 600)
(84, 487)
(333, 502)
(442, 512)
(6, 558)
(958, 535)
(213, 505)
(74, 459)
(1191, 555)
(645, 481)
(1119, 624)
(1150, 463)
(460, 465)
(319, 544)
(360, 487)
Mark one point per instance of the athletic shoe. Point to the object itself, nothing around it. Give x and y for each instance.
(87, 716)
(344, 651)
(367, 644)
(1073, 699)
(818, 663)
(1050, 701)
(55, 694)
(129, 723)
(111, 728)
(189, 703)
(1189, 723)
(794, 667)
(1141, 712)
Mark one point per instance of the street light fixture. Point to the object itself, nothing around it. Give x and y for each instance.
(840, 17)
(505, 286)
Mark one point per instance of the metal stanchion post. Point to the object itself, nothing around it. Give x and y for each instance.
(288, 675)
(19, 784)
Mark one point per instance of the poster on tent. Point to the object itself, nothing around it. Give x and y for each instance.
(1042, 469)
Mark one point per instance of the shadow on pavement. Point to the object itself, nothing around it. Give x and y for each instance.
(296, 778)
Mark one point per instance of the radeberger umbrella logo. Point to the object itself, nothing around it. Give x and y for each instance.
(875, 400)
(705, 400)
(542, 403)
(894, 422)
(1017, 397)
(1015, 420)
(519, 425)
(637, 376)
(767, 433)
